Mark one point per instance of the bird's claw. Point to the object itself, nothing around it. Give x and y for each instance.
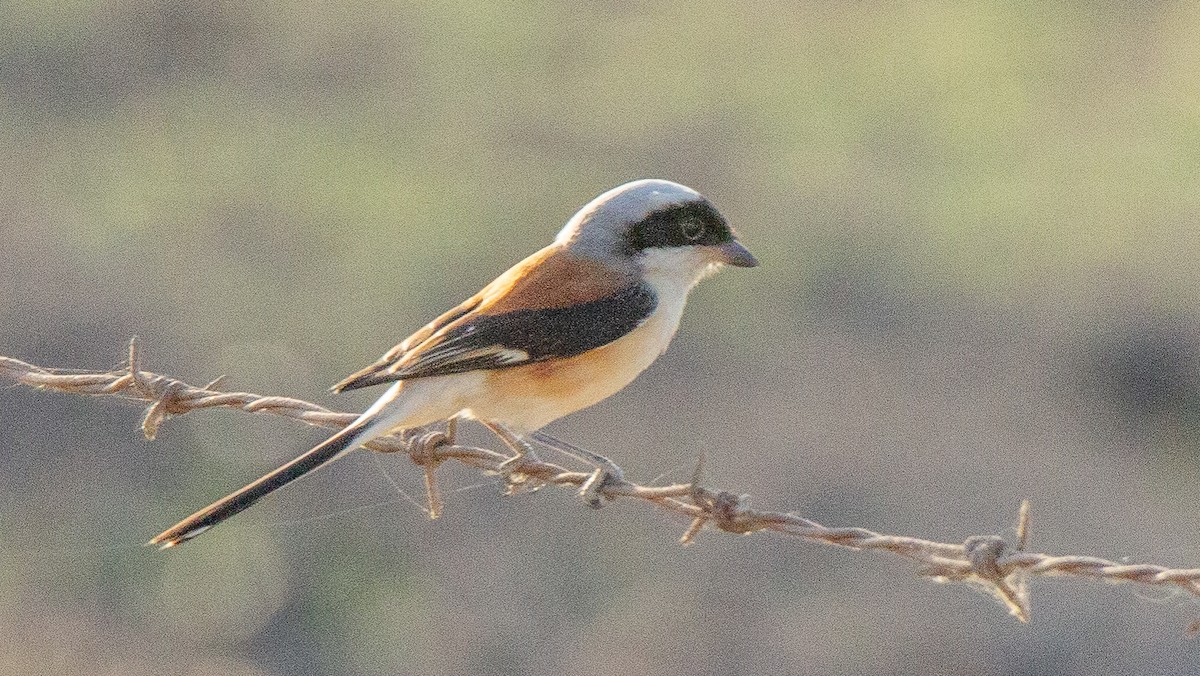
(591, 490)
(514, 480)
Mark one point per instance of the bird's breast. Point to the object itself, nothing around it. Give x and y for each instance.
(529, 397)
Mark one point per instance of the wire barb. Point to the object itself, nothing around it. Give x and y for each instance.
(984, 561)
(424, 453)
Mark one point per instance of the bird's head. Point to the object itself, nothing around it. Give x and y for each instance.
(662, 227)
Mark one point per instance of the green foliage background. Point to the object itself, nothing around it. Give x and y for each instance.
(978, 224)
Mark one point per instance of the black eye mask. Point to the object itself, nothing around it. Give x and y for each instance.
(688, 224)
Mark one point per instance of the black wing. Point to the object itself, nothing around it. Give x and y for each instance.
(513, 338)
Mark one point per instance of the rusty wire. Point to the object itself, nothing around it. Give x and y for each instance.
(987, 561)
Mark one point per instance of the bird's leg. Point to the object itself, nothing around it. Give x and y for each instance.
(606, 470)
(519, 447)
(511, 439)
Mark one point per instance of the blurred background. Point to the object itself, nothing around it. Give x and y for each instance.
(978, 226)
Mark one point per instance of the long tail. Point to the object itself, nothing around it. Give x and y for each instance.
(325, 452)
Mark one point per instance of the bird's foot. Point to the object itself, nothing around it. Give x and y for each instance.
(607, 473)
(515, 481)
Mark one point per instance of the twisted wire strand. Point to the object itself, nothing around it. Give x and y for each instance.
(988, 562)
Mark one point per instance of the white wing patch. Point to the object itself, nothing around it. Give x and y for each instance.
(511, 355)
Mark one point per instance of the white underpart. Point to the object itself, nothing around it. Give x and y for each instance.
(672, 273)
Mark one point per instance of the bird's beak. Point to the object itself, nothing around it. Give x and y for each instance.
(733, 253)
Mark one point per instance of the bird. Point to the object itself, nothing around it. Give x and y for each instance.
(563, 329)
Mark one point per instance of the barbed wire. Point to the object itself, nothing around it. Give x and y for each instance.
(987, 562)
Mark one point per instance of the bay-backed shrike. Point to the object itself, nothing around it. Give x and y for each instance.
(559, 331)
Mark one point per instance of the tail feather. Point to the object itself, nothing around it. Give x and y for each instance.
(325, 452)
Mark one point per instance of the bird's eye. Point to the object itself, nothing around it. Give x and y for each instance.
(692, 230)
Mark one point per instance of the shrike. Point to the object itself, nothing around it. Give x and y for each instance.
(558, 332)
